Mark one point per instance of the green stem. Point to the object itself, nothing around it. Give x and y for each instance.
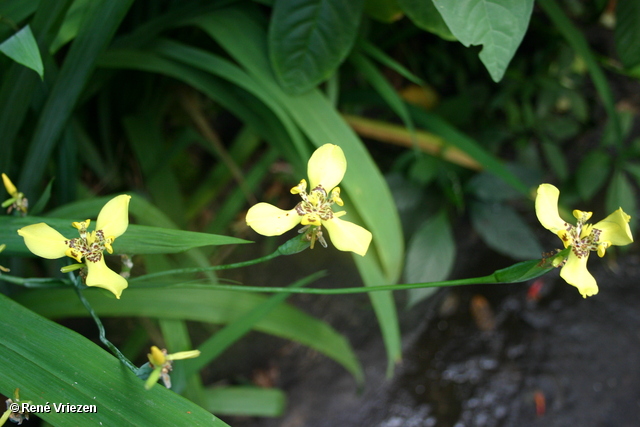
(359, 290)
(275, 254)
(103, 336)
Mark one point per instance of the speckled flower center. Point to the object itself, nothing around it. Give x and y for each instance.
(315, 206)
(89, 245)
(583, 238)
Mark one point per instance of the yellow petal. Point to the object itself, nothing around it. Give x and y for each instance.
(269, 220)
(113, 218)
(11, 189)
(615, 228)
(547, 208)
(44, 241)
(575, 273)
(347, 236)
(102, 276)
(156, 357)
(190, 354)
(326, 167)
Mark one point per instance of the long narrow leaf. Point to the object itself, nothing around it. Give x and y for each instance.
(52, 364)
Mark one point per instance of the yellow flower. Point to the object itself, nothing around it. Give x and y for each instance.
(113, 220)
(17, 200)
(326, 169)
(161, 362)
(582, 237)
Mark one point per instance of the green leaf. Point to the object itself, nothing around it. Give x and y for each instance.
(592, 173)
(424, 14)
(101, 22)
(22, 48)
(498, 25)
(555, 158)
(527, 270)
(138, 239)
(621, 194)
(386, 91)
(246, 401)
(43, 200)
(384, 306)
(71, 25)
(58, 365)
(308, 39)
(503, 230)
(430, 255)
(489, 187)
(201, 305)
(627, 34)
(470, 146)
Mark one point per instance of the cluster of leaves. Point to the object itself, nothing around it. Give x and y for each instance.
(188, 105)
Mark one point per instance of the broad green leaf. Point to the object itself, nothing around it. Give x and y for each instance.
(503, 230)
(57, 365)
(22, 48)
(430, 255)
(247, 401)
(620, 194)
(592, 173)
(308, 39)
(627, 32)
(424, 14)
(138, 239)
(188, 302)
(498, 25)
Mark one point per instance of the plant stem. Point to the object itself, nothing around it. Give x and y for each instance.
(103, 337)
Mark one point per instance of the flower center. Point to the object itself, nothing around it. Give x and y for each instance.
(583, 237)
(315, 207)
(89, 245)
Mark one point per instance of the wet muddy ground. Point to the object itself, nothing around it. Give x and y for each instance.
(504, 355)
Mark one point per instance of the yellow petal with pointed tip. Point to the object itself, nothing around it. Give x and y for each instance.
(44, 241)
(102, 276)
(575, 273)
(547, 208)
(615, 228)
(11, 189)
(347, 236)
(269, 220)
(113, 218)
(326, 167)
